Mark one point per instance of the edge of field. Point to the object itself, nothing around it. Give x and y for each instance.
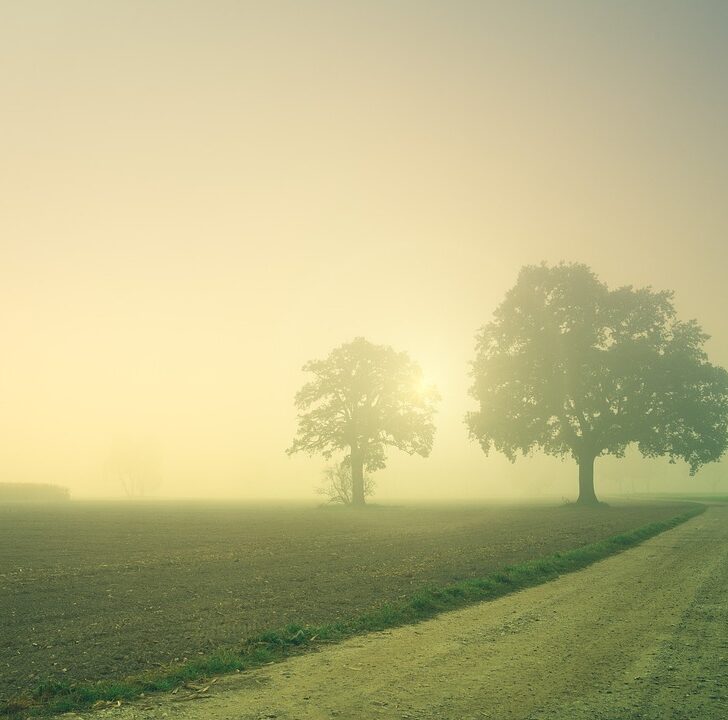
(276, 645)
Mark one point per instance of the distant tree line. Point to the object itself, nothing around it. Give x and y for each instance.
(566, 366)
(32, 493)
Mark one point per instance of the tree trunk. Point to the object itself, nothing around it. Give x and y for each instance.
(587, 496)
(357, 477)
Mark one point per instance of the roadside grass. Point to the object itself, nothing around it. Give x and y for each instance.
(707, 498)
(275, 645)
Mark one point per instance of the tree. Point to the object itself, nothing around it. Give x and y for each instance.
(337, 486)
(362, 399)
(573, 368)
(134, 464)
(26, 492)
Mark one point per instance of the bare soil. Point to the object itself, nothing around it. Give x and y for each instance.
(103, 591)
(643, 634)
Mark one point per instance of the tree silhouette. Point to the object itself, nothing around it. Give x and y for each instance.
(134, 464)
(337, 485)
(362, 399)
(573, 368)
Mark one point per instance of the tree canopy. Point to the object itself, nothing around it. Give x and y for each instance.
(570, 367)
(361, 399)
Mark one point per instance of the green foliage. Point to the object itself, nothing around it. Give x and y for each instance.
(573, 368)
(275, 645)
(365, 397)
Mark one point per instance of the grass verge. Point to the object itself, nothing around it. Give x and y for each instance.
(276, 645)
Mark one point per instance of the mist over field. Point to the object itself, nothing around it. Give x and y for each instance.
(198, 198)
(363, 359)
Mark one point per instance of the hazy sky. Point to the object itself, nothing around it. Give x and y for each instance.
(198, 197)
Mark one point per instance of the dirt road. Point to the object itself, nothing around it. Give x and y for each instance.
(641, 635)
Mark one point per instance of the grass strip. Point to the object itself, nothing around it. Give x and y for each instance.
(275, 645)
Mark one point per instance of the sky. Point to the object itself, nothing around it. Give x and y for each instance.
(198, 197)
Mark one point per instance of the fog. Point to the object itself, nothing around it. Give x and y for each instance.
(196, 198)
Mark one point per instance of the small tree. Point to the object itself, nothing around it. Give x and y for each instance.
(362, 399)
(338, 487)
(573, 368)
(135, 466)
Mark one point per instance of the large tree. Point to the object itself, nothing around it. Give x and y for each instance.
(570, 367)
(361, 399)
